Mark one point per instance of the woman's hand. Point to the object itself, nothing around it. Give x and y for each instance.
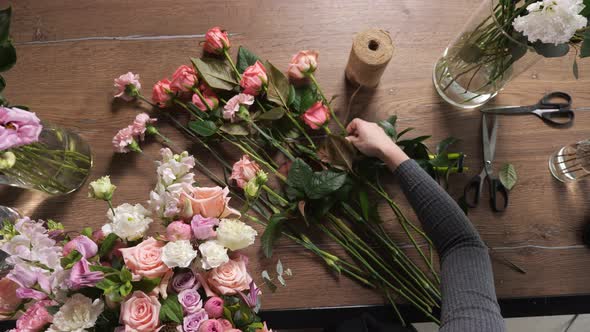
(372, 141)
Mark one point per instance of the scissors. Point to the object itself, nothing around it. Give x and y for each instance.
(474, 188)
(554, 108)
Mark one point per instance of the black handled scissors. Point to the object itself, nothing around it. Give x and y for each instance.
(474, 188)
(554, 108)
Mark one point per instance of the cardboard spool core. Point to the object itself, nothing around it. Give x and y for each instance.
(371, 51)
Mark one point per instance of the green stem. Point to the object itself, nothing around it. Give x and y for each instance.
(111, 206)
(233, 66)
(312, 77)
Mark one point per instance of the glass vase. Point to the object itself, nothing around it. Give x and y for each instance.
(482, 58)
(10, 215)
(58, 163)
(571, 162)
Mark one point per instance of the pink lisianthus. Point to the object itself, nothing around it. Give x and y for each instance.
(203, 227)
(161, 92)
(127, 86)
(316, 116)
(83, 245)
(9, 301)
(209, 100)
(214, 307)
(216, 41)
(18, 127)
(183, 79)
(82, 276)
(302, 64)
(232, 106)
(178, 230)
(254, 79)
(211, 325)
(229, 278)
(209, 202)
(29, 293)
(35, 318)
(140, 313)
(139, 125)
(145, 259)
(244, 170)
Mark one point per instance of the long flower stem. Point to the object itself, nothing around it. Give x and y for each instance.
(231, 63)
(312, 77)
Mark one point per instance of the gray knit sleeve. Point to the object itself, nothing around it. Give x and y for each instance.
(468, 294)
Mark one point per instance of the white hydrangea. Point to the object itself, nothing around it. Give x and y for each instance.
(213, 254)
(77, 314)
(130, 222)
(234, 234)
(178, 253)
(551, 21)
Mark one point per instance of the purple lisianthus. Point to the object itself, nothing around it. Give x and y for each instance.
(18, 127)
(83, 245)
(184, 279)
(81, 276)
(190, 300)
(192, 322)
(203, 227)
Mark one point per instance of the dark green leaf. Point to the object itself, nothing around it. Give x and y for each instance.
(324, 183)
(203, 128)
(237, 129)
(272, 233)
(2, 83)
(5, 23)
(104, 269)
(585, 49)
(586, 10)
(508, 176)
(443, 146)
(52, 309)
(245, 59)
(7, 56)
(364, 202)
(125, 275)
(171, 310)
(403, 132)
(551, 50)
(146, 285)
(273, 114)
(217, 73)
(278, 85)
(305, 97)
(389, 128)
(107, 244)
(292, 95)
(575, 69)
(299, 174)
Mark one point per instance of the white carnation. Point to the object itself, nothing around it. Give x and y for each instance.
(77, 314)
(130, 222)
(234, 234)
(178, 253)
(551, 21)
(213, 254)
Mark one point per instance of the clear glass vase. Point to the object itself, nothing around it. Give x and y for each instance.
(571, 162)
(58, 163)
(482, 59)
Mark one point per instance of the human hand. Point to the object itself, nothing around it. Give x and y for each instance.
(371, 140)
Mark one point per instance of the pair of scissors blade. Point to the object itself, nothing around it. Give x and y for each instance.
(489, 142)
(510, 110)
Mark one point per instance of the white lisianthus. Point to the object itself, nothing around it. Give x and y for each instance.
(213, 254)
(551, 21)
(234, 234)
(130, 222)
(102, 189)
(178, 253)
(77, 314)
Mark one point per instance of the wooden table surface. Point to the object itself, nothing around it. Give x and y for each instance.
(69, 51)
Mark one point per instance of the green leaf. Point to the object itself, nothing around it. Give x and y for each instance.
(7, 56)
(299, 174)
(365, 205)
(508, 176)
(389, 128)
(125, 275)
(273, 114)
(107, 245)
(125, 289)
(292, 95)
(106, 285)
(146, 285)
(278, 85)
(237, 129)
(586, 10)
(585, 49)
(443, 146)
(203, 128)
(272, 233)
(5, 23)
(245, 59)
(551, 50)
(102, 268)
(403, 132)
(72, 258)
(217, 73)
(575, 69)
(304, 98)
(87, 231)
(324, 183)
(171, 310)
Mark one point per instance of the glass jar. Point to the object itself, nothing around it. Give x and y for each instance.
(571, 162)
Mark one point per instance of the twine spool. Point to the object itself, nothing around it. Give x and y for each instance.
(371, 51)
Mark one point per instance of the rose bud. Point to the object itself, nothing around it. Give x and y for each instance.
(214, 307)
(161, 92)
(316, 116)
(183, 79)
(102, 189)
(302, 64)
(178, 230)
(254, 79)
(208, 102)
(216, 41)
(210, 325)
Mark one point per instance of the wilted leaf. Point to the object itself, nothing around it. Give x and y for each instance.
(280, 267)
(278, 85)
(245, 59)
(237, 129)
(508, 176)
(339, 152)
(217, 73)
(273, 114)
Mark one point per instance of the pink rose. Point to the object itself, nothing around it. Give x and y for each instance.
(302, 64)
(192, 322)
(82, 276)
(203, 227)
(209, 202)
(35, 318)
(183, 79)
(254, 79)
(145, 259)
(139, 125)
(209, 100)
(161, 92)
(9, 302)
(244, 170)
(127, 86)
(233, 105)
(29, 293)
(214, 307)
(216, 41)
(190, 300)
(84, 245)
(226, 324)
(211, 325)
(178, 230)
(123, 139)
(230, 277)
(140, 313)
(316, 115)
(18, 127)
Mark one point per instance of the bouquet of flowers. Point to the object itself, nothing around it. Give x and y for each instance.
(117, 278)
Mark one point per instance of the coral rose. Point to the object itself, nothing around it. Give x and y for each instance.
(145, 259)
(316, 115)
(231, 277)
(140, 313)
(216, 41)
(209, 202)
(302, 64)
(183, 79)
(244, 170)
(161, 92)
(254, 79)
